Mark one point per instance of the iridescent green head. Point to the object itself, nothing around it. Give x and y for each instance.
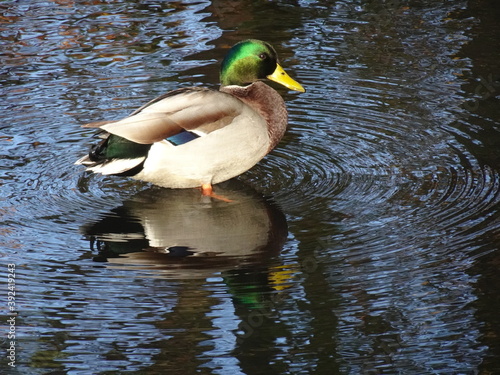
(253, 60)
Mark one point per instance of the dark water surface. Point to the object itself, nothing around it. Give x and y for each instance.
(366, 243)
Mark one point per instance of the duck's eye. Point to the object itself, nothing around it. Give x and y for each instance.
(263, 56)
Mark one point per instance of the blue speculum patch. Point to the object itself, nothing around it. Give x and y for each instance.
(182, 137)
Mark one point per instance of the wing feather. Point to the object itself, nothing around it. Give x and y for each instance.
(197, 109)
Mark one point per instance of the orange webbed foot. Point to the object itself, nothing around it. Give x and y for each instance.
(208, 191)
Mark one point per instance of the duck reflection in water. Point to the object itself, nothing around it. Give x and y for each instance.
(189, 238)
(180, 233)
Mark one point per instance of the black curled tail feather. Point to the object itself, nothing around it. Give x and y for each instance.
(97, 152)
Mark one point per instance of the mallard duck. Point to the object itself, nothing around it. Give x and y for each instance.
(197, 137)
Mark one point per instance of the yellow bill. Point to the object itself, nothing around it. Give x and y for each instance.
(281, 77)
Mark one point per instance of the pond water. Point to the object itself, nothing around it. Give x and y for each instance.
(366, 243)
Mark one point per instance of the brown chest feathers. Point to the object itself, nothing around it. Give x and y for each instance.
(268, 103)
